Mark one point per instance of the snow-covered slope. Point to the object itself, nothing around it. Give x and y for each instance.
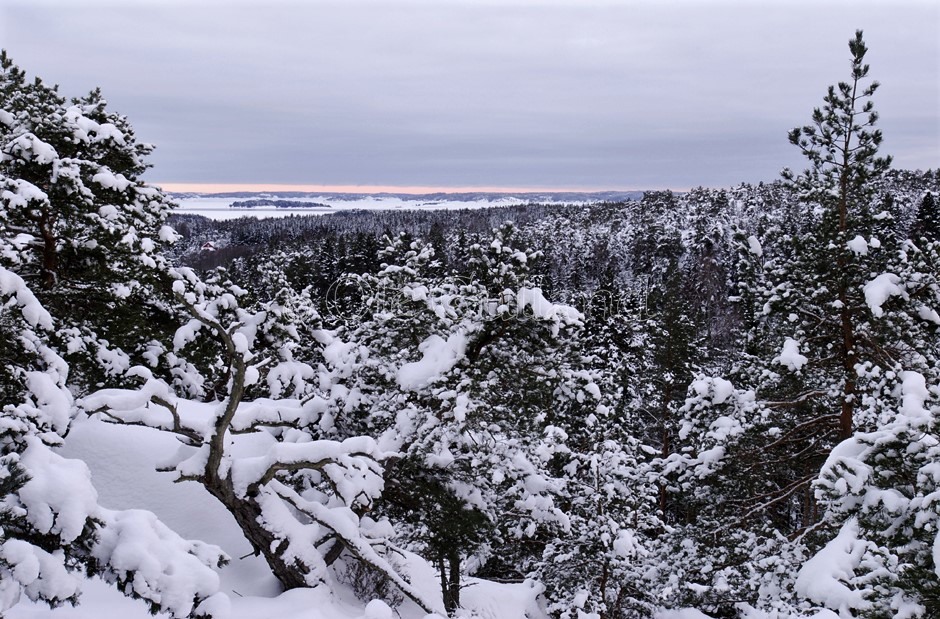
(123, 461)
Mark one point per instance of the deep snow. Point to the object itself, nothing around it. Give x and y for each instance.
(123, 462)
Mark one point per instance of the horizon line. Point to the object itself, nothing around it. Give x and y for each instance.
(371, 189)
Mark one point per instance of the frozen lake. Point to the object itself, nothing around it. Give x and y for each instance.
(219, 208)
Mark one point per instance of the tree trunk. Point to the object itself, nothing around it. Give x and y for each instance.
(848, 371)
(50, 253)
(848, 329)
(448, 566)
(453, 589)
(605, 577)
(246, 513)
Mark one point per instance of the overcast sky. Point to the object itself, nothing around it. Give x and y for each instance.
(564, 94)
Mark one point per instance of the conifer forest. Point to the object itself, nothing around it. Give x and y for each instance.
(713, 403)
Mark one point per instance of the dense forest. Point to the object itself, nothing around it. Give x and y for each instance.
(719, 399)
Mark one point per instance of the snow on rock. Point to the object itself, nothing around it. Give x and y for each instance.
(821, 579)
(439, 356)
(880, 289)
(790, 356)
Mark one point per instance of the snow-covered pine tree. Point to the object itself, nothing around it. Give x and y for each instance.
(431, 387)
(478, 382)
(823, 284)
(53, 530)
(879, 488)
(92, 229)
(839, 326)
(301, 500)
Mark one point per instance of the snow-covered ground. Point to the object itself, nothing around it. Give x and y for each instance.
(123, 462)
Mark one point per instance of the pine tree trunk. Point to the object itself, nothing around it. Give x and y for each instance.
(453, 589)
(448, 567)
(848, 367)
(449, 605)
(247, 513)
(50, 255)
(848, 329)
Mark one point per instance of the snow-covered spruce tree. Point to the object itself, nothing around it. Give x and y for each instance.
(91, 226)
(301, 501)
(52, 530)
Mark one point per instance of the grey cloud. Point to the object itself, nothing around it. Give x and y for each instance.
(613, 95)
